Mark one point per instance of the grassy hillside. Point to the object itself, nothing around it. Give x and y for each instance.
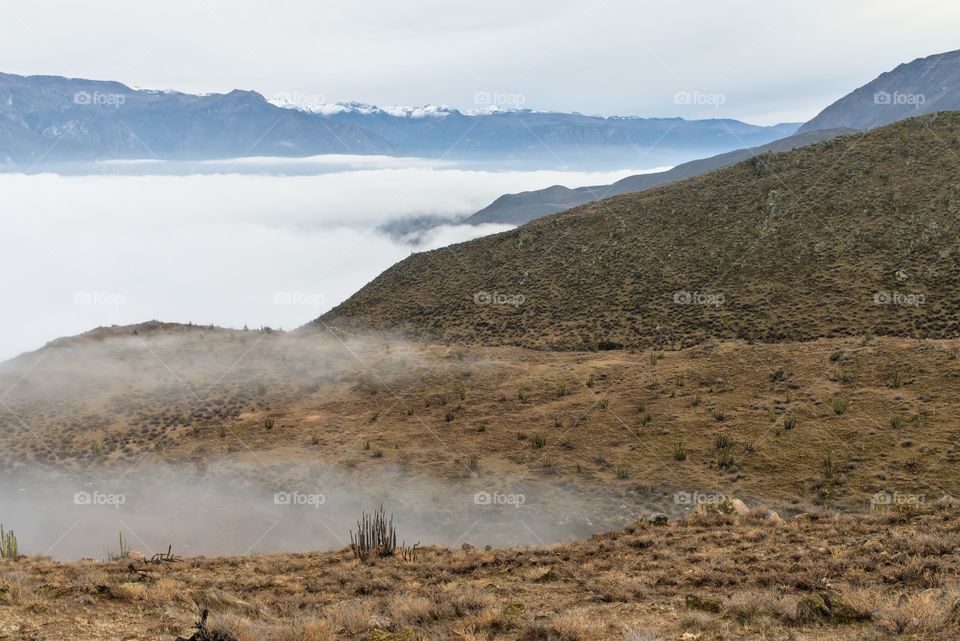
(827, 422)
(851, 236)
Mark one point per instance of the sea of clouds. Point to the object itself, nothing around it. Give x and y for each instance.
(253, 242)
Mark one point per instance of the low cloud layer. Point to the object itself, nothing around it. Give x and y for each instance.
(228, 249)
(227, 513)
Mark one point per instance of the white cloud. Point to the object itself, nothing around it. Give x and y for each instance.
(83, 251)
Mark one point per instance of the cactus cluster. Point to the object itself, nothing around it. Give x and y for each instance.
(8, 545)
(375, 536)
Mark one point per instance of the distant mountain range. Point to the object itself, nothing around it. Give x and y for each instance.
(47, 119)
(491, 133)
(50, 119)
(923, 86)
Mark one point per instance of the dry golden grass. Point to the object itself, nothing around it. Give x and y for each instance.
(827, 574)
(706, 578)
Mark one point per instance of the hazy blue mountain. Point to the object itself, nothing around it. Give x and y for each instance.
(914, 88)
(47, 119)
(922, 86)
(551, 138)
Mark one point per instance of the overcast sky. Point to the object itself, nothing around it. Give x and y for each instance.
(755, 60)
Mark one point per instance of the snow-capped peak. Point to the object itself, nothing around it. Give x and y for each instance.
(317, 105)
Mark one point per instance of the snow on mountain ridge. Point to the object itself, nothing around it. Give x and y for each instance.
(318, 105)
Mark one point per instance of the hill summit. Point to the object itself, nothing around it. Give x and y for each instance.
(850, 236)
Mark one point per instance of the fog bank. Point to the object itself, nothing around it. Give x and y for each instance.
(225, 248)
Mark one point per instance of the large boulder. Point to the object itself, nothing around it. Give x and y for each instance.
(725, 505)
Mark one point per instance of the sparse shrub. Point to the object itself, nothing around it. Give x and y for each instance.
(725, 459)
(604, 403)
(222, 431)
(718, 414)
(448, 417)
(789, 422)
(828, 467)
(261, 388)
(566, 444)
(473, 463)
(521, 436)
(723, 442)
(268, 423)
(557, 422)
(623, 472)
(482, 427)
(522, 395)
(840, 405)
(315, 439)
(561, 390)
(679, 452)
(374, 417)
(896, 422)
(409, 411)
(836, 356)
(539, 440)
(779, 376)
(695, 400)
(378, 453)
(895, 380)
